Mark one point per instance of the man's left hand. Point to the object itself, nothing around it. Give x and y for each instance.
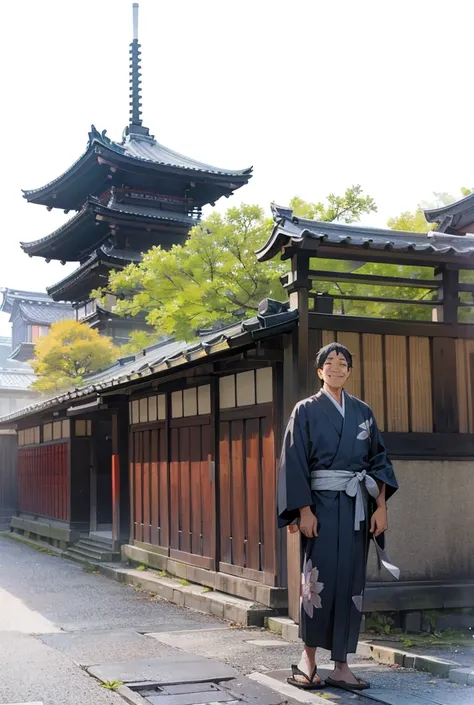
(378, 522)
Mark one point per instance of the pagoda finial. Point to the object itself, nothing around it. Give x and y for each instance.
(135, 125)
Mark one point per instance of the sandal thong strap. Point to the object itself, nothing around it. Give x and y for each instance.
(295, 671)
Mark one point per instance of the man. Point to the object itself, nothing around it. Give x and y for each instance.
(335, 478)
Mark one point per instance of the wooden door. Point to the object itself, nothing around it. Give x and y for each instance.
(192, 491)
(247, 493)
(149, 486)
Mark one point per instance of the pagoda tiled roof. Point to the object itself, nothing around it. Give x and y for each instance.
(36, 308)
(76, 238)
(323, 238)
(106, 258)
(135, 151)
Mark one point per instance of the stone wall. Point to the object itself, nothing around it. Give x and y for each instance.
(431, 520)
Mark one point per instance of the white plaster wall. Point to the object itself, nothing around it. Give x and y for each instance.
(431, 521)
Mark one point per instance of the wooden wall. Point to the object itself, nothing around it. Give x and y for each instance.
(414, 384)
(203, 474)
(43, 480)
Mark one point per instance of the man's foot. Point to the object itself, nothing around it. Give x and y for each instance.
(343, 676)
(304, 675)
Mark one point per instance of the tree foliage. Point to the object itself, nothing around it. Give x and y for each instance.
(70, 351)
(139, 340)
(347, 208)
(215, 277)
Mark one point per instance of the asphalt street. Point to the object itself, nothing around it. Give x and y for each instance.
(57, 620)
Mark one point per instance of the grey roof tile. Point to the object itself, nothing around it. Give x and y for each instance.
(289, 228)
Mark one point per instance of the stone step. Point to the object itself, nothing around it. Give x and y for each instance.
(90, 546)
(85, 554)
(90, 550)
(98, 543)
(196, 597)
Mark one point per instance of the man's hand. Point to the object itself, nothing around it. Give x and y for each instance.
(308, 522)
(378, 522)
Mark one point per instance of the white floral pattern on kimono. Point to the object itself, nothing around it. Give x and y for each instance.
(310, 588)
(366, 427)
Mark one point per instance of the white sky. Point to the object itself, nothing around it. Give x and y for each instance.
(315, 95)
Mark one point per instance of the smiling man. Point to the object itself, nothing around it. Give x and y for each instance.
(335, 478)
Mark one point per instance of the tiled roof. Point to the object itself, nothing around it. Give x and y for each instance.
(46, 314)
(289, 229)
(456, 215)
(108, 255)
(148, 149)
(94, 205)
(11, 296)
(169, 355)
(15, 380)
(142, 148)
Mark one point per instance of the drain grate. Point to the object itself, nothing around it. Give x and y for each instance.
(187, 694)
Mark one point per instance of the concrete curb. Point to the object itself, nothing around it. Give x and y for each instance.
(195, 597)
(428, 664)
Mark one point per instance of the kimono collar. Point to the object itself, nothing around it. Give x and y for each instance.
(340, 407)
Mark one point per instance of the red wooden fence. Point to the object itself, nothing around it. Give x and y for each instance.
(43, 481)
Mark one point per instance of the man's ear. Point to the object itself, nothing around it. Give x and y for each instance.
(320, 373)
(349, 372)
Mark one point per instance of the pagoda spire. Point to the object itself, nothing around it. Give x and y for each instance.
(135, 126)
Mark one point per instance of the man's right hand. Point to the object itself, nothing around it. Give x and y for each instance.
(308, 522)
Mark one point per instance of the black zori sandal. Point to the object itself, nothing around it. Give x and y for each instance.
(310, 684)
(343, 685)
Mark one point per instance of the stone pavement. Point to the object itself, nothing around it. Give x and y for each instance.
(63, 630)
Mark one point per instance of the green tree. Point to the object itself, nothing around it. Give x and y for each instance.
(139, 340)
(70, 351)
(347, 208)
(215, 277)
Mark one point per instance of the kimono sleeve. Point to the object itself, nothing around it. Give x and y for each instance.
(294, 490)
(380, 465)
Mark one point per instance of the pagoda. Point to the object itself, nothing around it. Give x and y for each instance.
(128, 196)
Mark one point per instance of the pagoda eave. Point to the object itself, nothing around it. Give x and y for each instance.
(88, 229)
(92, 274)
(105, 161)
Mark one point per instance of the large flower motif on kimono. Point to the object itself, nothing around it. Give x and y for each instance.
(366, 427)
(310, 588)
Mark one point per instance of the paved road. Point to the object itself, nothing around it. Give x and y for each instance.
(56, 619)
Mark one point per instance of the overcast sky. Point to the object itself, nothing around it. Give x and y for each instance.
(315, 95)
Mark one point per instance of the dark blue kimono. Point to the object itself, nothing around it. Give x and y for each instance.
(334, 563)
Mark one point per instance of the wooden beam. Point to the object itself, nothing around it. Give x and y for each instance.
(430, 446)
(375, 299)
(314, 248)
(374, 279)
(357, 324)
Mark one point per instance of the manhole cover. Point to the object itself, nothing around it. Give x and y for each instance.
(186, 694)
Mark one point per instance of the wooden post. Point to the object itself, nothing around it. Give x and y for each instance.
(448, 292)
(296, 386)
(120, 476)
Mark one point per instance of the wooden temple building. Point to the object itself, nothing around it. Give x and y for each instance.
(127, 197)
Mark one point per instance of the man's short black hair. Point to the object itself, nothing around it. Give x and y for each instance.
(323, 354)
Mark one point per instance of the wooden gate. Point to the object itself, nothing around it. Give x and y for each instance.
(247, 493)
(192, 502)
(149, 486)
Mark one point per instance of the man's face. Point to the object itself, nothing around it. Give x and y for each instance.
(335, 371)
